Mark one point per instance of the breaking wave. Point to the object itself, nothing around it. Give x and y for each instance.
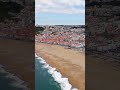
(64, 82)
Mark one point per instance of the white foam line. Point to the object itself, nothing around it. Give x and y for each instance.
(64, 82)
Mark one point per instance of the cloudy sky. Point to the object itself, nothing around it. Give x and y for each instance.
(60, 12)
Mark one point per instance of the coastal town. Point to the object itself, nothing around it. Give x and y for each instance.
(72, 36)
(63, 47)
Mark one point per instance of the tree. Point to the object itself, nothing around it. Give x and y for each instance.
(38, 30)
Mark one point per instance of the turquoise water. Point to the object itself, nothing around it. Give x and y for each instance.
(43, 80)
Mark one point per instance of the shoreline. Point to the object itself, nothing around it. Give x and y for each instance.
(58, 77)
(62, 59)
(63, 81)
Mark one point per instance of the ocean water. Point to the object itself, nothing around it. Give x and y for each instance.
(43, 80)
(9, 81)
(47, 78)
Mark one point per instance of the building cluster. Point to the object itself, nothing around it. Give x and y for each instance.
(21, 26)
(71, 36)
(103, 25)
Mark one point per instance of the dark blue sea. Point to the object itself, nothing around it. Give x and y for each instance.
(44, 80)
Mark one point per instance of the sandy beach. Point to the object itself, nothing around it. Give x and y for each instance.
(70, 63)
(17, 57)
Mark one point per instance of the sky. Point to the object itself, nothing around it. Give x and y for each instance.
(60, 12)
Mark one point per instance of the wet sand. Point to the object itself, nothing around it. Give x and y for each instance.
(17, 57)
(70, 63)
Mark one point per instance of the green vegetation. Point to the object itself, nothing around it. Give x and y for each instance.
(38, 30)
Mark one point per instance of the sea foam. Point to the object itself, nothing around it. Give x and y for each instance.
(64, 82)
